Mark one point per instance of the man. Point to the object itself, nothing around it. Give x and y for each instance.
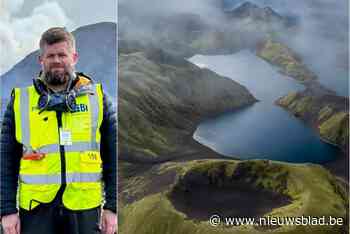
(58, 147)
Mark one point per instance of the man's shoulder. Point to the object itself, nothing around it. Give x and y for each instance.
(20, 89)
(83, 80)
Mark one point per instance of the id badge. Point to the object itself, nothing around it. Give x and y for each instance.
(65, 137)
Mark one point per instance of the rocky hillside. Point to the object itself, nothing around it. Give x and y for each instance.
(163, 98)
(318, 106)
(326, 112)
(285, 59)
(252, 12)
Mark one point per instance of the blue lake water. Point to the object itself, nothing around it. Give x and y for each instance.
(263, 130)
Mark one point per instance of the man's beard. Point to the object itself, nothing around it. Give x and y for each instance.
(58, 78)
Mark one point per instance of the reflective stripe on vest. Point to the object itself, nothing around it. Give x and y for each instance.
(94, 117)
(24, 106)
(76, 147)
(56, 179)
(41, 179)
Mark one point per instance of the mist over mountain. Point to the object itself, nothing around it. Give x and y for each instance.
(248, 9)
(313, 29)
(322, 29)
(96, 45)
(163, 98)
(185, 29)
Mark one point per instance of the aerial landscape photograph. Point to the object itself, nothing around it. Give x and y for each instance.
(232, 108)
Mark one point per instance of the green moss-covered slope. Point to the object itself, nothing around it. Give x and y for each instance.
(327, 113)
(164, 97)
(281, 56)
(313, 192)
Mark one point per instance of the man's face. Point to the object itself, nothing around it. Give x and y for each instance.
(58, 62)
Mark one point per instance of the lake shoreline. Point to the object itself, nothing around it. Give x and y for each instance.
(245, 132)
(194, 150)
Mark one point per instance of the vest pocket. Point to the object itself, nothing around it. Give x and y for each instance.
(84, 195)
(34, 166)
(31, 195)
(90, 161)
(80, 125)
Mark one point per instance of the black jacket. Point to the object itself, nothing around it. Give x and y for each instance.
(11, 153)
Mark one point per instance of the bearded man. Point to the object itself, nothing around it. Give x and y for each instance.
(58, 149)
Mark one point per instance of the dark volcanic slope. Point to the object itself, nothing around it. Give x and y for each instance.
(164, 97)
(240, 199)
(232, 188)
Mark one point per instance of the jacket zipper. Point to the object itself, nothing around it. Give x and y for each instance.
(62, 152)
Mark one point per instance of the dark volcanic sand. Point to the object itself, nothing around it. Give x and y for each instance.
(238, 200)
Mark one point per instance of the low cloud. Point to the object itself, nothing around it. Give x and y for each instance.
(321, 37)
(20, 36)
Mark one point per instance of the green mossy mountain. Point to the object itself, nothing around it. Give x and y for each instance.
(307, 186)
(163, 98)
(285, 59)
(317, 105)
(326, 112)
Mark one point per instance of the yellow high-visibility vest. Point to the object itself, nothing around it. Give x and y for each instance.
(40, 180)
